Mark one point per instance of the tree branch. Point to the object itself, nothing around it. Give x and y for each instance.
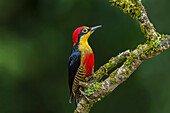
(155, 44)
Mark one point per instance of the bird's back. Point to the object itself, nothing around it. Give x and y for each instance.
(74, 63)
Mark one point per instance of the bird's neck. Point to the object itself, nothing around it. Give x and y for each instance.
(84, 47)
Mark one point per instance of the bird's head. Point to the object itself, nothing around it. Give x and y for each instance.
(83, 33)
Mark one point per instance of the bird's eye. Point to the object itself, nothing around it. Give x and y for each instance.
(85, 30)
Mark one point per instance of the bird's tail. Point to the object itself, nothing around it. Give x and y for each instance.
(71, 97)
(77, 98)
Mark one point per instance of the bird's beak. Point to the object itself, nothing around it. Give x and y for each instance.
(92, 29)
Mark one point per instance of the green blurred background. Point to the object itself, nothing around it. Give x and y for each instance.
(36, 41)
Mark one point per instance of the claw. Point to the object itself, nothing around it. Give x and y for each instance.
(83, 84)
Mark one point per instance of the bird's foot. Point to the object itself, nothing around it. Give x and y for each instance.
(83, 84)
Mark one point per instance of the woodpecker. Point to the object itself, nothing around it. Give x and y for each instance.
(81, 60)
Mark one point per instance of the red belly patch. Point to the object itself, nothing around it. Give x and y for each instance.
(89, 64)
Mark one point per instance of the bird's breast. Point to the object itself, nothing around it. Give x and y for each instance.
(87, 58)
(88, 63)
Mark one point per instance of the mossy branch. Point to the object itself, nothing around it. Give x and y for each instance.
(155, 44)
(137, 10)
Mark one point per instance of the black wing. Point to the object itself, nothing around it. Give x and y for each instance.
(74, 63)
